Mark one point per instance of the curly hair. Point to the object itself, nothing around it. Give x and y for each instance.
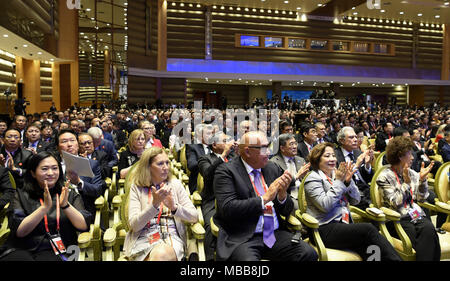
(398, 147)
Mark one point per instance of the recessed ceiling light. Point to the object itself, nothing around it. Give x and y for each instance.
(383, 11)
(447, 3)
(419, 15)
(39, 53)
(5, 35)
(88, 9)
(25, 45)
(437, 16)
(299, 8)
(286, 2)
(401, 13)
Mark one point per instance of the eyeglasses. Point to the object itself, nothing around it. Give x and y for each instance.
(86, 142)
(261, 148)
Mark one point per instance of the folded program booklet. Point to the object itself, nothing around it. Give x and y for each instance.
(77, 164)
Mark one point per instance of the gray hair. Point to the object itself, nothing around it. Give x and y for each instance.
(95, 132)
(284, 138)
(341, 135)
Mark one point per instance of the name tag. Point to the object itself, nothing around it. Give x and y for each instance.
(414, 214)
(154, 237)
(57, 244)
(345, 216)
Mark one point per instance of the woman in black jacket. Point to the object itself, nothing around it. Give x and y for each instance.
(46, 214)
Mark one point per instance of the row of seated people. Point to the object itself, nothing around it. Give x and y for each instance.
(83, 143)
(210, 166)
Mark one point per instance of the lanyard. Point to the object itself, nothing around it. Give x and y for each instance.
(410, 189)
(263, 184)
(57, 215)
(160, 207)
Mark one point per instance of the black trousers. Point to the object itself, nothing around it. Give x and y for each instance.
(283, 249)
(357, 237)
(24, 255)
(423, 236)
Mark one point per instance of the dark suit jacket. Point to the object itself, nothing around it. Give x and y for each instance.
(108, 147)
(93, 187)
(193, 153)
(445, 152)
(380, 141)
(6, 190)
(102, 158)
(21, 157)
(238, 207)
(41, 146)
(302, 150)
(364, 188)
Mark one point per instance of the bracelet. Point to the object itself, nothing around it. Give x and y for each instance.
(65, 207)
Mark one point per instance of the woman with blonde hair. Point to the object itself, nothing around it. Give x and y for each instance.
(149, 131)
(135, 148)
(158, 207)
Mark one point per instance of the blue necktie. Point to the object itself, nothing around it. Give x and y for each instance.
(268, 226)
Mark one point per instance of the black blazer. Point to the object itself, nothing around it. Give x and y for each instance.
(302, 150)
(238, 207)
(367, 177)
(6, 189)
(41, 146)
(193, 154)
(102, 158)
(20, 157)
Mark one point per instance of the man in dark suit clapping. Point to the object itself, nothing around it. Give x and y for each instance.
(251, 195)
(222, 150)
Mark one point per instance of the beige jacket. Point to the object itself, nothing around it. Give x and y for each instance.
(140, 211)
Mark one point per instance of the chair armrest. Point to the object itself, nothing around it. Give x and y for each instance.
(99, 202)
(116, 201)
(214, 228)
(84, 239)
(427, 205)
(196, 198)
(442, 207)
(307, 220)
(390, 214)
(198, 231)
(372, 214)
(109, 238)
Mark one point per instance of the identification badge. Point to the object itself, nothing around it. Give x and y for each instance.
(154, 237)
(268, 211)
(414, 214)
(345, 216)
(57, 244)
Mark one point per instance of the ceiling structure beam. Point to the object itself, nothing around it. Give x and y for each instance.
(335, 8)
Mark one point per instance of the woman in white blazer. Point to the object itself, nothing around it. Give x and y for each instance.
(158, 207)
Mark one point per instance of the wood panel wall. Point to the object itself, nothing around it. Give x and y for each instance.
(415, 45)
(46, 81)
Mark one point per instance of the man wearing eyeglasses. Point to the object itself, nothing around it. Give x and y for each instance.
(87, 150)
(287, 160)
(13, 157)
(251, 195)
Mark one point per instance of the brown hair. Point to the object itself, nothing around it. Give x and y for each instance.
(317, 152)
(397, 147)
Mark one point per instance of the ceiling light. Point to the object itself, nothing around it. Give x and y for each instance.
(286, 2)
(5, 35)
(419, 15)
(401, 13)
(25, 45)
(88, 9)
(437, 16)
(39, 53)
(382, 11)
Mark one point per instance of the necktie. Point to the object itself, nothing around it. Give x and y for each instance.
(291, 167)
(268, 225)
(350, 155)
